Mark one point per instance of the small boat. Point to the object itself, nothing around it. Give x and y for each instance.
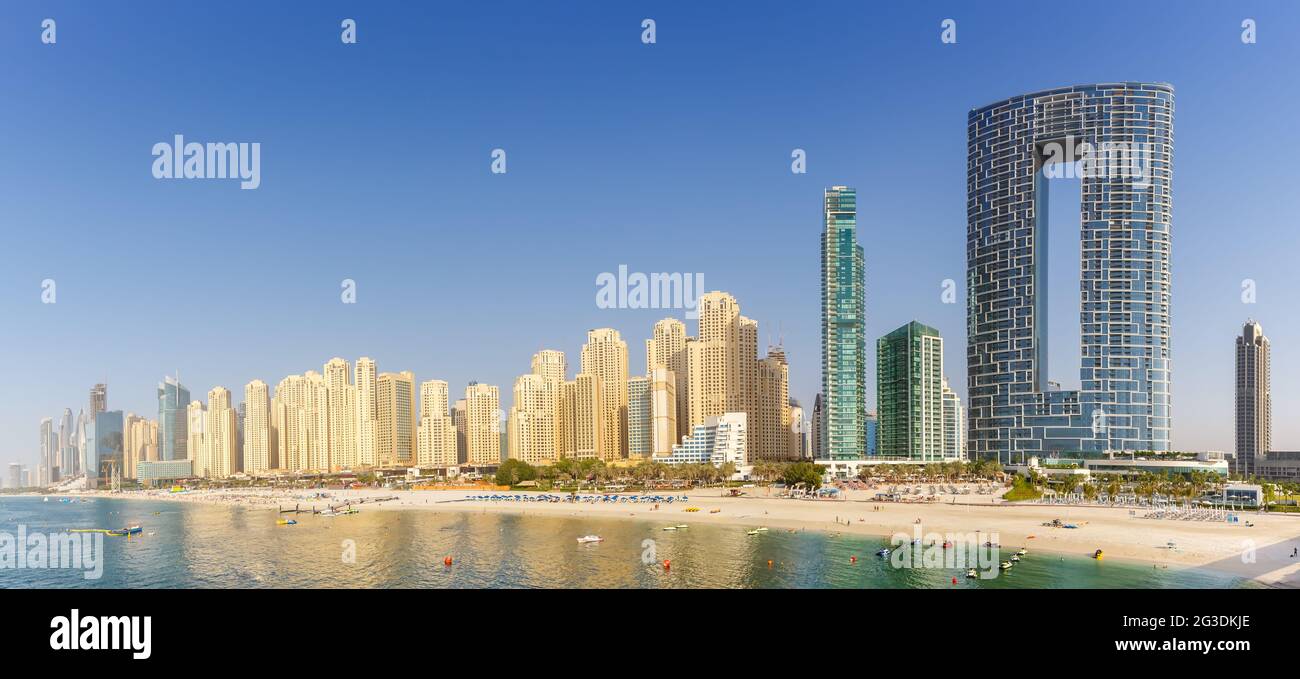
(1097, 555)
(46, 499)
(883, 553)
(682, 525)
(972, 573)
(1015, 558)
(670, 527)
(1022, 552)
(763, 529)
(751, 532)
(286, 522)
(590, 538)
(130, 530)
(714, 511)
(1005, 565)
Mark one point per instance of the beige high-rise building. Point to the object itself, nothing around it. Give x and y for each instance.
(340, 417)
(1253, 399)
(395, 440)
(197, 444)
(565, 415)
(139, 442)
(605, 356)
(667, 348)
(716, 383)
(748, 362)
(367, 412)
(221, 434)
(769, 435)
(483, 425)
(258, 446)
(664, 409)
(587, 407)
(531, 433)
(459, 418)
(296, 417)
(436, 446)
(552, 366)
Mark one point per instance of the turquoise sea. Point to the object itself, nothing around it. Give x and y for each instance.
(191, 545)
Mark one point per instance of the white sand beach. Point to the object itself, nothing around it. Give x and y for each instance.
(1261, 551)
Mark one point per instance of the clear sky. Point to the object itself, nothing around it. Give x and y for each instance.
(667, 157)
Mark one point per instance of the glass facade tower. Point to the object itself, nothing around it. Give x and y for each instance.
(844, 347)
(173, 420)
(1123, 134)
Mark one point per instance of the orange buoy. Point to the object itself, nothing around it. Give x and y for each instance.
(668, 564)
(954, 579)
(769, 563)
(446, 561)
(853, 559)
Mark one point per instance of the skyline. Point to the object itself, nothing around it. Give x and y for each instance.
(740, 189)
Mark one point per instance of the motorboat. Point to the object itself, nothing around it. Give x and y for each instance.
(883, 553)
(1005, 565)
(972, 573)
(590, 538)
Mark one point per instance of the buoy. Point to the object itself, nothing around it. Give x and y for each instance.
(668, 564)
(954, 579)
(853, 559)
(446, 561)
(769, 563)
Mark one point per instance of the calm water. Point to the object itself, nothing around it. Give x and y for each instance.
(210, 546)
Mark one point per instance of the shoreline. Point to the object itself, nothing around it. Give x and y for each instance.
(1261, 553)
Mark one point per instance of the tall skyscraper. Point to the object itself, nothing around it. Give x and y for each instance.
(667, 347)
(815, 425)
(367, 412)
(221, 435)
(98, 399)
(49, 465)
(716, 382)
(340, 417)
(437, 432)
(67, 445)
(483, 424)
(770, 434)
(1254, 400)
(552, 366)
(1124, 295)
(531, 425)
(196, 416)
(844, 318)
(105, 454)
(259, 446)
(910, 392)
(395, 442)
(173, 420)
(605, 356)
(458, 418)
(640, 419)
(665, 407)
(585, 399)
(954, 425)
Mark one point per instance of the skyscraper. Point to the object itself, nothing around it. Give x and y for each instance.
(483, 424)
(49, 466)
(552, 366)
(954, 425)
(98, 399)
(909, 388)
(196, 416)
(664, 409)
(714, 360)
(640, 421)
(367, 412)
(67, 445)
(259, 446)
(770, 436)
(173, 432)
(667, 347)
(531, 424)
(844, 318)
(605, 356)
(340, 417)
(437, 432)
(1254, 400)
(1124, 295)
(395, 439)
(221, 435)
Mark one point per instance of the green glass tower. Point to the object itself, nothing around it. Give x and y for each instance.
(844, 318)
(909, 392)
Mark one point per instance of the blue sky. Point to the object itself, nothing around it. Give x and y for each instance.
(666, 157)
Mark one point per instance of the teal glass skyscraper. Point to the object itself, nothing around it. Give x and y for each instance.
(1121, 134)
(844, 344)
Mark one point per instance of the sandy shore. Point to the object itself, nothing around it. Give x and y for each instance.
(1261, 552)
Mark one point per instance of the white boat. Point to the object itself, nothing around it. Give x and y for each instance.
(1022, 552)
(763, 529)
(681, 525)
(972, 573)
(670, 527)
(590, 538)
(883, 552)
(751, 532)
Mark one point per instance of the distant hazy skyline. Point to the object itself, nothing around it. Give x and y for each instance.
(667, 157)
